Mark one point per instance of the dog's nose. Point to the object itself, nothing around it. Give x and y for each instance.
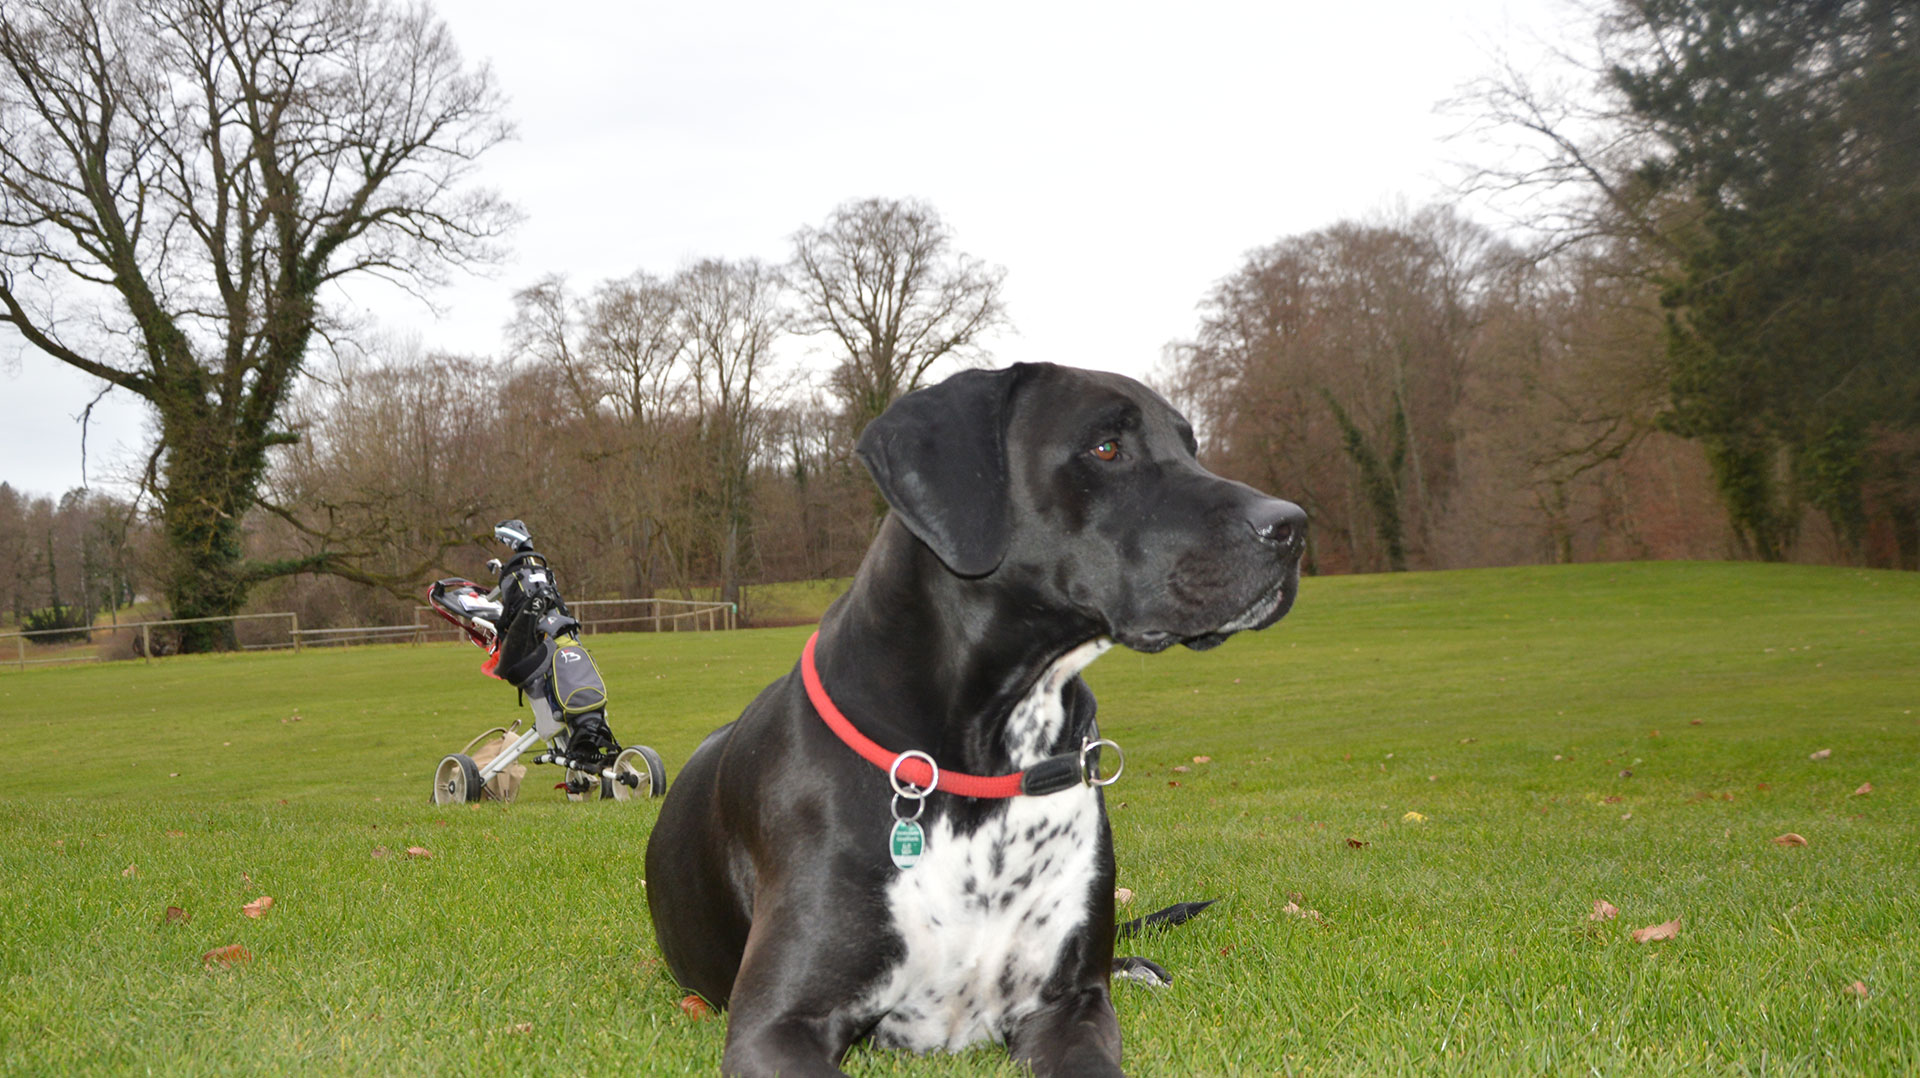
(1278, 523)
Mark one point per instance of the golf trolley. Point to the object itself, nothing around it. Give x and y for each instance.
(532, 643)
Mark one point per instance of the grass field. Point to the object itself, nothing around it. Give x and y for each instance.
(1633, 733)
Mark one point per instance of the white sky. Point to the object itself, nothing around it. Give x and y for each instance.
(1117, 158)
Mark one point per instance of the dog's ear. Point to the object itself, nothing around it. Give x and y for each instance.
(939, 455)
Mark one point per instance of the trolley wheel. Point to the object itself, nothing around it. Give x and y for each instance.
(575, 778)
(456, 780)
(638, 773)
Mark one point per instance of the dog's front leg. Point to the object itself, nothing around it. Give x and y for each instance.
(1080, 1035)
(787, 1016)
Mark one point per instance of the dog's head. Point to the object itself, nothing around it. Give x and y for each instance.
(1083, 488)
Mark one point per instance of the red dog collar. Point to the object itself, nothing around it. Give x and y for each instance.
(1051, 775)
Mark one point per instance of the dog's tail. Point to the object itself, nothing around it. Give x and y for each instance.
(1177, 914)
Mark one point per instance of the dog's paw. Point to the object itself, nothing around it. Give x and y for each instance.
(1142, 970)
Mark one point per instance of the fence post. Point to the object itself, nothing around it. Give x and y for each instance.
(146, 642)
(294, 617)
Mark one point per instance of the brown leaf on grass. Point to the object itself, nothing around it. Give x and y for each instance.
(1122, 895)
(1865, 789)
(1857, 989)
(1790, 839)
(695, 1008)
(130, 871)
(1612, 799)
(1625, 774)
(225, 957)
(258, 907)
(1821, 755)
(1357, 844)
(1655, 933)
(381, 851)
(419, 851)
(1203, 759)
(1655, 734)
(176, 834)
(521, 1027)
(1693, 722)
(1181, 769)
(175, 916)
(1603, 910)
(1173, 782)
(1292, 909)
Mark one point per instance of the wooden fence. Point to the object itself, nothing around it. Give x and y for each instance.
(661, 615)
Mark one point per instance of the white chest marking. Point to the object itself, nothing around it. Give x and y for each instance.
(984, 916)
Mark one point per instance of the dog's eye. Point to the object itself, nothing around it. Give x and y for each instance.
(1107, 450)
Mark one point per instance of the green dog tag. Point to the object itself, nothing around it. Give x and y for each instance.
(907, 844)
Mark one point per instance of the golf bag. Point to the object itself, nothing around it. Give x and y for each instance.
(533, 644)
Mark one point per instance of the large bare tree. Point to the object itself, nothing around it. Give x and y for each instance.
(881, 277)
(179, 182)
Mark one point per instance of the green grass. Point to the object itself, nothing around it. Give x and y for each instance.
(1503, 705)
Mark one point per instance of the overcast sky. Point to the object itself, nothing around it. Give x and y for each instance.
(1117, 159)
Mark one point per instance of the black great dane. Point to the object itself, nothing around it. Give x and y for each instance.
(1040, 514)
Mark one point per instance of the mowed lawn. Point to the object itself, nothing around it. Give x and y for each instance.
(1639, 734)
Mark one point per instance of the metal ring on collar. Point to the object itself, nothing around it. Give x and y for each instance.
(906, 789)
(1092, 778)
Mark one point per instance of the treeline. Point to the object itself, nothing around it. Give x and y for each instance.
(1710, 343)
(654, 431)
(65, 562)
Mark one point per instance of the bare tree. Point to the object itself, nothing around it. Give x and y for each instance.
(882, 279)
(180, 180)
(731, 315)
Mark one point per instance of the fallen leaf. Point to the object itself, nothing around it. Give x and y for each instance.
(1821, 755)
(419, 851)
(1357, 844)
(1433, 778)
(521, 1027)
(258, 907)
(1693, 722)
(1626, 774)
(1655, 933)
(1122, 895)
(1790, 839)
(176, 916)
(1763, 787)
(695, 1008)
(176, 834)
(1203, 759)
(130, 871)
(1857, 988)
(1612, 799)
(1292, 909)
(1413, 817)
(231, 955)
(1603, 910)
(1654, 734)
(1181, 769)
(1227, 950)
(1865, 789)
(1173, 782)
(380, 851)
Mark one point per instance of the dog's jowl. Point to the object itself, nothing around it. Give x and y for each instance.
(905, 837)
